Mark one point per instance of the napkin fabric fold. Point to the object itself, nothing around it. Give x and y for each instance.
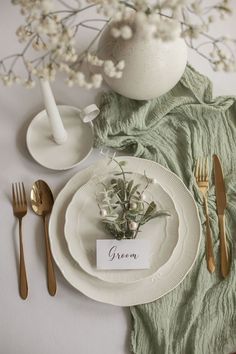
(199, 316)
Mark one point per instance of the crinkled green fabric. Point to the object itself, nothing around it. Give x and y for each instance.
(199, 316)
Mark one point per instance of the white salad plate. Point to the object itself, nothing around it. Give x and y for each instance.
(83, 226)
(148, 289)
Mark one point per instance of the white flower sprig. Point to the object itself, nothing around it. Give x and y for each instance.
(49, 36)
(123, 205)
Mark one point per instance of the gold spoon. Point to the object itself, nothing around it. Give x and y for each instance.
(42, 202)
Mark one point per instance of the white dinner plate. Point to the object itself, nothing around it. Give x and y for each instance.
(83, 226)
(147, 289)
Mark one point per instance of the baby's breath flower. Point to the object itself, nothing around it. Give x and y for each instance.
(94, 60)
(96, 80)
(18, 80)
(64, 67)
(108, 65)
(47, 6)
(192, 32)
(126, 32)
(23, 33)
(115, 32)
(47, 72)
(39, 45)
(52, 35)
(7, 79)
(120, 65)
(80, 78)
(29, 83)
(168, 30)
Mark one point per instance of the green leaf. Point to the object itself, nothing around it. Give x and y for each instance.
(135, 198)
(151, 209)
(156, 214)
(122, 163)
(122, 173)
(132, 212)
(121, 220)
(110, 229)
(134, 190)
(121, 189)
(129, 187)
(113, 182)
(131, 217)
(129, 234)
(162, 213)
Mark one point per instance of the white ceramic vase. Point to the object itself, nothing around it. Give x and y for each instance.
(152, 67)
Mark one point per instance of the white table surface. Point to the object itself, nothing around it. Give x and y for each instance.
(69, 322)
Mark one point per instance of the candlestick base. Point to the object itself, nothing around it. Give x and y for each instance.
(47, 153)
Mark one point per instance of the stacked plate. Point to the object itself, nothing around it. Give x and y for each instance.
(75, 226)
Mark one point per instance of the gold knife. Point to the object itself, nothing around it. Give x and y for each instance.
(221, 205)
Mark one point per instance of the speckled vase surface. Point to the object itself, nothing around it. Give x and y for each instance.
(152, 67)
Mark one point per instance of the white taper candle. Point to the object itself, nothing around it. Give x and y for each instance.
(58, 131)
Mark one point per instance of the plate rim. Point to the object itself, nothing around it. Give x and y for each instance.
(88, 286)
(68, 230)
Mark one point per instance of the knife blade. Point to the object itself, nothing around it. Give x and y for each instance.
(221, 202)
(220, 186)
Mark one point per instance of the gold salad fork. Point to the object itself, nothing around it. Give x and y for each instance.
(202, 179)
(19, 204)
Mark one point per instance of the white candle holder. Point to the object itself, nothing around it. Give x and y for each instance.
(60, 137)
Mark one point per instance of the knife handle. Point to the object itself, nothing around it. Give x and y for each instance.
(209, 248)
(224, 255)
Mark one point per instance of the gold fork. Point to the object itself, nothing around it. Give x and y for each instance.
(19, 204)
(202, 179)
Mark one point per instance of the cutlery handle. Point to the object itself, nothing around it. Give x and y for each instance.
(23, 285)
(51, 278)
(209, 248)
(224, 256)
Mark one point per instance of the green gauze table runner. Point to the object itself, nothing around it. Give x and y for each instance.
(199, 316)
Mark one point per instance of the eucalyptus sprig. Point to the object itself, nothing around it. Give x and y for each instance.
(123, 205)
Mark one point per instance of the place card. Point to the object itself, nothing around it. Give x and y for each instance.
(123, 254)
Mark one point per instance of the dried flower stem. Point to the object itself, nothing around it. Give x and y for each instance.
(52, 33)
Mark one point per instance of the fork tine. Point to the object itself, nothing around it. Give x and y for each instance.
(23, 194)
(200, 170)
(207, 168)
(204, 169)
(197, 169)
(17, 194)
(13, 193)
